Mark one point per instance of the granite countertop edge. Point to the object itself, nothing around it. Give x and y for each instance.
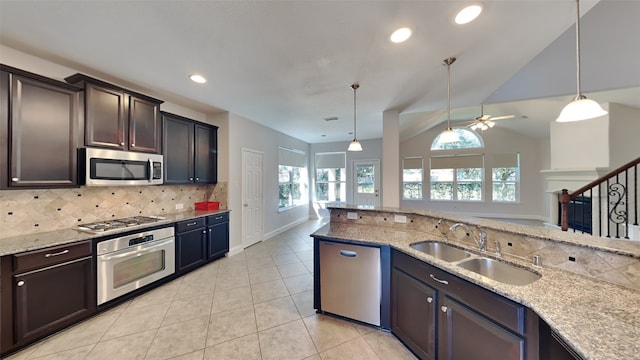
(29, 242)
(598, 319)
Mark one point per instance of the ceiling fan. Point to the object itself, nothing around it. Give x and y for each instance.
(484, 122)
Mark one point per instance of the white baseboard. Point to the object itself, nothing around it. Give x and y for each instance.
(235, 250)
(282, 229)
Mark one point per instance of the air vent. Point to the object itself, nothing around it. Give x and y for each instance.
(330, 118)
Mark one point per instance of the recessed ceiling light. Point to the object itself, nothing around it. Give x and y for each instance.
(468, 14)
(197, 78)
(400, 35)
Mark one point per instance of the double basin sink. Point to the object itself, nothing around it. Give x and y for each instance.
(493, 269)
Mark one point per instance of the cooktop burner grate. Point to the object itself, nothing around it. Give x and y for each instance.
(107, 225)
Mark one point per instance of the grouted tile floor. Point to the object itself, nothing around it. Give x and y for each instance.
(257, 304)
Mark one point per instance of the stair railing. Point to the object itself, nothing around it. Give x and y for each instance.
(616, 204)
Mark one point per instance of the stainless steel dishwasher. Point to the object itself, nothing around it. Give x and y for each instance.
(350, 281)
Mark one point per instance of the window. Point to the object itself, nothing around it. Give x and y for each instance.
(331, 177)
(456, 174)
(505, 177)
(292, 178)
(412, 178)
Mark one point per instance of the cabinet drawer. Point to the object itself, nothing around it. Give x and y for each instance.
(189, 225)
(50, 256)
(494, 306)
(217, 218)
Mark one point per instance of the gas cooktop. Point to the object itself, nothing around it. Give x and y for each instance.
(115, 224)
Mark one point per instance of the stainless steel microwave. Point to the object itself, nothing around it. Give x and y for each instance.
(103, 167)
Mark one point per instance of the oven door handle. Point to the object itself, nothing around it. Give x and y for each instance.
(137, 252)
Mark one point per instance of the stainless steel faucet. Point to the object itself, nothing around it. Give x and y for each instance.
(481, 240)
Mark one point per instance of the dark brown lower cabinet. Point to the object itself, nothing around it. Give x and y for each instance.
(52, 298)
(438, 315)
(413, 317)
(191, 245)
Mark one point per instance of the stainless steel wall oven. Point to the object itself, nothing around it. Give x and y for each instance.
(130, 262)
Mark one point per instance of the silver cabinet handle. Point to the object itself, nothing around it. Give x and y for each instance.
(429, 299)
(197, 179)
(56, 254)
(444, 308)
(20, 283)
(192, 223)
(190, 179)
(133, 145)
(15, 179)
(204, 231)
(438, 280)
(348, 253)
(122, 143)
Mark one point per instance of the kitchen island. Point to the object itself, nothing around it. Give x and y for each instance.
(598, 319)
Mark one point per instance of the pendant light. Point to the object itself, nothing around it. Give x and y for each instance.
(580, 108)
(449, 135)
(355, 144)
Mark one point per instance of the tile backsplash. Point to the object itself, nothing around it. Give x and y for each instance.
(33, 211)
(602, 265)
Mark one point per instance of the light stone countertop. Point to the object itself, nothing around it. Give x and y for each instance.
(22, 243)
(598, 319)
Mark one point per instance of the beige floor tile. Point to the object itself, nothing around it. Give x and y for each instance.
(232, 280)
(356, 349)
(313, 357)
(264, 274)
(196, 355)
(231, 325)
(387, 346)
(304, 303)
(187, 309)
(229, 299)
(178, 339)
(305, 255)
(300, 283)
(308, 265)
(288, 341)
(161, 295)
(73, 354)
(327, 332)
(83, 334)
(256, 264)
(268, 291)
(133, 346)
(275, 312)
(290, 270)
(284, 259)
(134, 320)
(244, 348)
(193, 289)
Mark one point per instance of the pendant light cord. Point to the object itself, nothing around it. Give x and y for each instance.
(579, 89)
(448, 96)
(354, 87)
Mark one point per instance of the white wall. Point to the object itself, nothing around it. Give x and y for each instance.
(580, 144)
(624, 136)
(497, 140)
(246, 134)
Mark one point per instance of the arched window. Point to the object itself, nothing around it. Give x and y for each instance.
(468, 140)
(457, 169)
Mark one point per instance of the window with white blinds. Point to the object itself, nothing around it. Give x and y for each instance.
(292, 177)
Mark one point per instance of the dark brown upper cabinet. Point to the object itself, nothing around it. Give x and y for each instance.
(190, 151)
(119, 119)
(40, 130)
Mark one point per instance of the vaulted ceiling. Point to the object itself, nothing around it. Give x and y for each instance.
(289, 64)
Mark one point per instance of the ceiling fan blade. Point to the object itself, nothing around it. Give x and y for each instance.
(504, 117)
(484, 117)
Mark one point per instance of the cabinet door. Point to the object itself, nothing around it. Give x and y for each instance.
(218, 240)
(52, 298)
(205, 154)
(466, 334)
(105, 117)
(191, 249)
(144, 125)
(178, 151)
(413, 314)
(44, 127)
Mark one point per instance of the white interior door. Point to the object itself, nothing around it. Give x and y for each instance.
(252, 198)
(366, 187)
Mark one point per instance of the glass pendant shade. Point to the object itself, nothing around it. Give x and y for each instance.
(354, 146)
(449, 136)
(581, 109)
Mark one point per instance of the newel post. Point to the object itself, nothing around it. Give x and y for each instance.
(564, 213)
